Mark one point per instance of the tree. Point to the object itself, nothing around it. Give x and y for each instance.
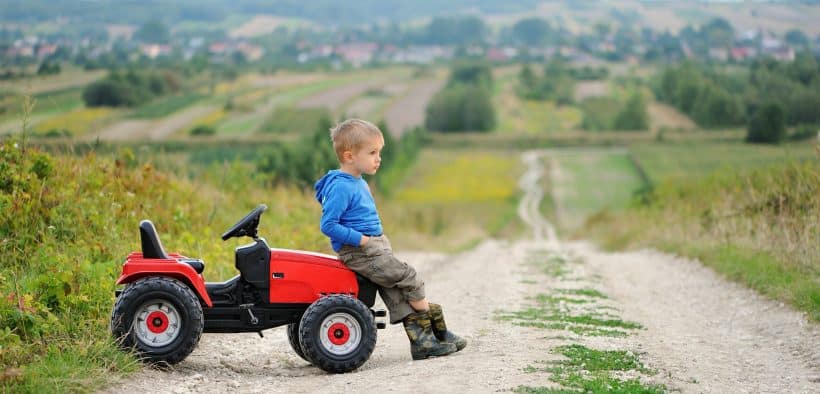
(531, 31)
(718, 33)
(461, 108)
(797, 38)
(768, 125)
(634, 115)
(154, 32)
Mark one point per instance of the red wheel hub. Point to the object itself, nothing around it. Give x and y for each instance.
(338, 333)
(157, 322)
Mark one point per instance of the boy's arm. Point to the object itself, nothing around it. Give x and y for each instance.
(334, 204)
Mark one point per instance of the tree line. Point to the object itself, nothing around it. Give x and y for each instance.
(767, 97)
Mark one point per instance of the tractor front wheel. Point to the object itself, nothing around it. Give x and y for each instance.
(158, 317)
(337, 333)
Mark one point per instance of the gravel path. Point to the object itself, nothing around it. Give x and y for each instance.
(702, 334)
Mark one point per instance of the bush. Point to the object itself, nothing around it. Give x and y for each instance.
(302, 162)
(805, 132)
(768, 125)
(634, 115)
(129, 90)
(599, 113)
(203, 130)
(461, 108)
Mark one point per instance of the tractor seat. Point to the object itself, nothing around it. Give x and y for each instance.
(151, 247)
(197, 264)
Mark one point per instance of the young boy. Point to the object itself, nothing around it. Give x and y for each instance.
(350, 220)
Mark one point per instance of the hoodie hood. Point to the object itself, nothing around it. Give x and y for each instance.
(331, 176)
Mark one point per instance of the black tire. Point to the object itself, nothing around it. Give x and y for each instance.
(293, 338)
(158, 317)
(337, 333)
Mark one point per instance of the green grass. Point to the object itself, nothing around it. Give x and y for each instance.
(50, 103)
(591, 180)
(63, 253)
(693, 159)
(291, 120)
(451, 199)
(167, 105)
(591, 371)
(551, 313)
(751, 215)
(286, 98)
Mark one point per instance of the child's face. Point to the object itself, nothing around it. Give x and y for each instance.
(367, 159)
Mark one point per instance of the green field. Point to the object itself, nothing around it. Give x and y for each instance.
(687, 159)
(587, 181)
(166, 105)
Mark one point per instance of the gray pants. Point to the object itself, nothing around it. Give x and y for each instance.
(398, 282)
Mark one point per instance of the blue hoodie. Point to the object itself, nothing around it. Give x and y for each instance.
(348, 209)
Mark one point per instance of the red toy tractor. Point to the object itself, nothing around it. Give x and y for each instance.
(166, 304)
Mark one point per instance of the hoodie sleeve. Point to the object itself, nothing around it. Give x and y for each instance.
(334, 202)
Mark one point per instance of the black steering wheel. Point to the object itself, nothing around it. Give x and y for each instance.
(247, 226)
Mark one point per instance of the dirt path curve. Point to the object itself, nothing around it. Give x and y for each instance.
(701, 333)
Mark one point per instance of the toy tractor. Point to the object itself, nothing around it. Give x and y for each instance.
(166, 304)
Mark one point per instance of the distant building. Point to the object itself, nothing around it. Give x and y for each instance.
(153, 51)
(357, 54)
(719, 54)
(742, 53)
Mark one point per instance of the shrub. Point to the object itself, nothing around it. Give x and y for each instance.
(129, 89)
(461, 108)
(203, 130)
(633, 116)
(768, 125)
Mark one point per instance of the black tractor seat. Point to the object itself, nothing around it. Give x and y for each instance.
(152, 247)
(197, 264)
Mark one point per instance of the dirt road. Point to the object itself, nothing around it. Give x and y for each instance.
(700, 333)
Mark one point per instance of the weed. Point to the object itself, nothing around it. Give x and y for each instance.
(590, 370)
(592, 293)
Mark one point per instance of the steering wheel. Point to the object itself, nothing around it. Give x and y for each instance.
(247, 226)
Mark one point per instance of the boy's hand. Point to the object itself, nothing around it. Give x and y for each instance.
(364, 240)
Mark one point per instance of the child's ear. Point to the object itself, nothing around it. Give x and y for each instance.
(347, 156)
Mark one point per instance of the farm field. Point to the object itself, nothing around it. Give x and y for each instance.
(237, 109)
(451, 199)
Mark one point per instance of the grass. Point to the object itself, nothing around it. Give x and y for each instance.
(580, 368)
(591, 180)
(289, 120)
(519, 116)
(579, 314)
(78, 122)
(751, 214)
(69, 221)
(452, 198)
(167, 105)
(696, 159)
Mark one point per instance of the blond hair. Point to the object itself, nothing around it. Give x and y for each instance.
(351, 134)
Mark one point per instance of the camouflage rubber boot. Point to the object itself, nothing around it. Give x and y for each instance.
(423, 342)
(440, 328)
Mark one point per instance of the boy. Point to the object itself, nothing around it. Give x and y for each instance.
(350, 220)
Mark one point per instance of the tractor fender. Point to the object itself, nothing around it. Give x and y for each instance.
(135, 270)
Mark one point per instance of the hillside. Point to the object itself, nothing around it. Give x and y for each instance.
(67, 222)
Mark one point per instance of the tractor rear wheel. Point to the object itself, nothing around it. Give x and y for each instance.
(158, 317)
(293, 338)
(337, 333)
